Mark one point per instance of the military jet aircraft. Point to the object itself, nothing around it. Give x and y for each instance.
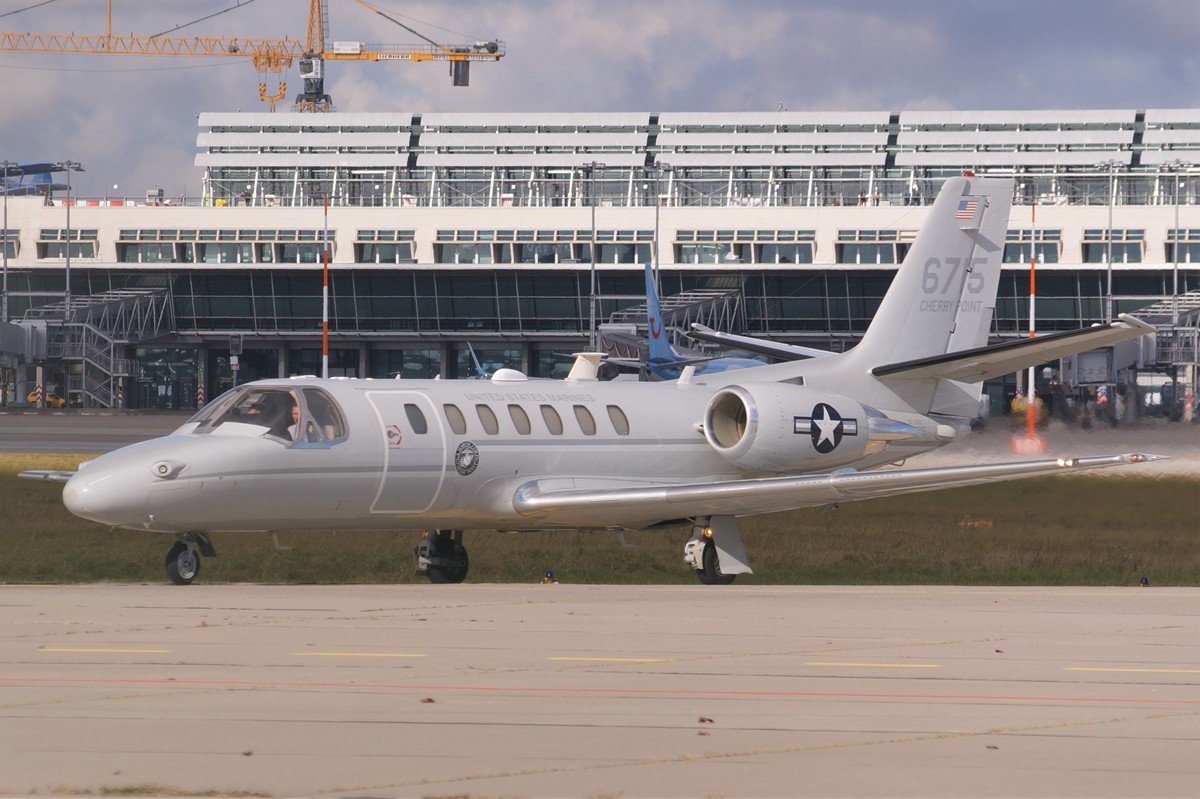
(519, 454)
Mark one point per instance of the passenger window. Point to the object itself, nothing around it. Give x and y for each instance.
(416, 419)
(552, 419)
(326, 415)
(487, 418)
(520, 419)
(458, 422)
(586, 423)
(619, 422)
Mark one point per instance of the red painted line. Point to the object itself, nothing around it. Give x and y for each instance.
(286, 684)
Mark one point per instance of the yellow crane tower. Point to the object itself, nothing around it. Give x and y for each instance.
(270, 56)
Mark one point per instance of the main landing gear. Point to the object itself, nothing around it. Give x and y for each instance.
(715, 550)
(183, 559)
(441, 556)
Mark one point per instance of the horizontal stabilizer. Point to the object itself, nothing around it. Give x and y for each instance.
(652, 504)
(761, 346)
(977, 365)
(46, 474)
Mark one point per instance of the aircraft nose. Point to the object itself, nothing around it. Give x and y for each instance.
(104, 496)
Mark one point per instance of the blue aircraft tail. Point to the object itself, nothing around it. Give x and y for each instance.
(660, 349)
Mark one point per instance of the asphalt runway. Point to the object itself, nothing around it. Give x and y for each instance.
(600, 691)
(81, 431)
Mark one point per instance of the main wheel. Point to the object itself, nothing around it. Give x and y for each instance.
(451, 574)
(711, 575)
(183, 564)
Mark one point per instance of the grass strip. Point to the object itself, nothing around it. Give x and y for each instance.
(1070, 530)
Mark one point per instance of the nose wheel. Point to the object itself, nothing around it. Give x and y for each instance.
(183, 559)
(183, 563)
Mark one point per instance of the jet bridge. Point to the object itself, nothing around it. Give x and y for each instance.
(721, 308)
(89, 339)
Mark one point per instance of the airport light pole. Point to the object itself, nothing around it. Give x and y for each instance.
(68, 167)
(591, 168)
(658, 169)
(4, 297)
(1177, 168)
(1112, 191)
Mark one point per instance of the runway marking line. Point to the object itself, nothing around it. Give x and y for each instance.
(577, 691)
(92, 650)
(873, 665)
(611, 660)
(1132, 670)
(358, 654)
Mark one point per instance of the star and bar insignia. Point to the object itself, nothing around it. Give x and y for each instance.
(826, 427)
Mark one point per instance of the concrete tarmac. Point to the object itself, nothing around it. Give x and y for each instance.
(600, 691)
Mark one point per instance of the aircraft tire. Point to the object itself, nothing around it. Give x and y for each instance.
(711, 575)
(183, 564)
(450, 574)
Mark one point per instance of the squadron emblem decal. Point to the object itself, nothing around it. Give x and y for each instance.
(826, 427)
(466, 458)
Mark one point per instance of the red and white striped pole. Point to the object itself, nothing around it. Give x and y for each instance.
(325, 295)
(1031, 443)
(1031, 393)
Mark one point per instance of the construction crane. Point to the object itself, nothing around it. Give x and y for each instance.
(312, 65)
(270, 56)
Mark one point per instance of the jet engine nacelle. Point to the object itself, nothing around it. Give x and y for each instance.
(777, 427)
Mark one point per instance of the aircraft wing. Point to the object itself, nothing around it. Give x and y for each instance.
(634, 507)
(977, 365)
(46, 474)
(678, 363)
(762, 346)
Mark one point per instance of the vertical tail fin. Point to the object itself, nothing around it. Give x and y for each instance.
(944, 293)
(942, 298)
(659, 347)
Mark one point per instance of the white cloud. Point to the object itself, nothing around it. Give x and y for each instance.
(137, 128)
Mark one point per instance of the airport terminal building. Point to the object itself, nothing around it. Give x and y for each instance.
(518, 234)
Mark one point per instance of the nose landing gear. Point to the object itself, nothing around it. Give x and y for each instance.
(441, 556)
(183, 559)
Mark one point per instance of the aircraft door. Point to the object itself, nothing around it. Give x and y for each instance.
(414, 451)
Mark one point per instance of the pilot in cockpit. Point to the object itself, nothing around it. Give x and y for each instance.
(293, 430)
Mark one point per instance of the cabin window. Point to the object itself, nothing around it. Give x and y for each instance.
(552, 419)
(487, 418)
(619, 422)
(520, 419)
(416, 419)
(326, 414)
(586, 423)
(458, 422)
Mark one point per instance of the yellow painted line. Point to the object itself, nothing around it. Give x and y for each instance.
(874, 665)
(1138, 671)
(114, 651)
(358, 654)
(612, 660)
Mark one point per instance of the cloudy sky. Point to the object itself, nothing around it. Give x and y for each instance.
(131, 120)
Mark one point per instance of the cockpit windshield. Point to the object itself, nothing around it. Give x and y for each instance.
(280, 412)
